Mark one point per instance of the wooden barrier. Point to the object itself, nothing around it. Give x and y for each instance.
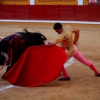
(51, 12)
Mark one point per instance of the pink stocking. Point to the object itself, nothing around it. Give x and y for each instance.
(64, 72)
(80, 58)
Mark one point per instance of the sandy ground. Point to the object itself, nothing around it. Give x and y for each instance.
(83, 84)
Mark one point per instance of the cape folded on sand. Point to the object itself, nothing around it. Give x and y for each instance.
(38, 65)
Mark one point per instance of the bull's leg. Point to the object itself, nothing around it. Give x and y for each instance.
(8, 68)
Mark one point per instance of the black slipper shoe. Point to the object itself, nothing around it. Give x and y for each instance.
(98, 75)
(64, 79)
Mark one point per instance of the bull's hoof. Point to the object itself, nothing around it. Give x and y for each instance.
(3, 78)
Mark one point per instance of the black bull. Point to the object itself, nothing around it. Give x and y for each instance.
(15, 44)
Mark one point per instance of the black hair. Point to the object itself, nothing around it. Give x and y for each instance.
(57, 26)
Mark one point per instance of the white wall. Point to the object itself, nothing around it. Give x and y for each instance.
(32, 2)
(80, 2)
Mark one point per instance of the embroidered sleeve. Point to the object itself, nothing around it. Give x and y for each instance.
(76, 36)
(58, 39)
(64, 35)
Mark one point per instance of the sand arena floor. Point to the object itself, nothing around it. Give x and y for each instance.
(83, 84)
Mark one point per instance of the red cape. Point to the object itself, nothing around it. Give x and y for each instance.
(38, 65)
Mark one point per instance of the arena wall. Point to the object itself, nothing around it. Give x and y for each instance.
(15, 2)
(51, 12)
(56, 2)
(42, 2)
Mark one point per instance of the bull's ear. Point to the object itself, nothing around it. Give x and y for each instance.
(43, 37)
